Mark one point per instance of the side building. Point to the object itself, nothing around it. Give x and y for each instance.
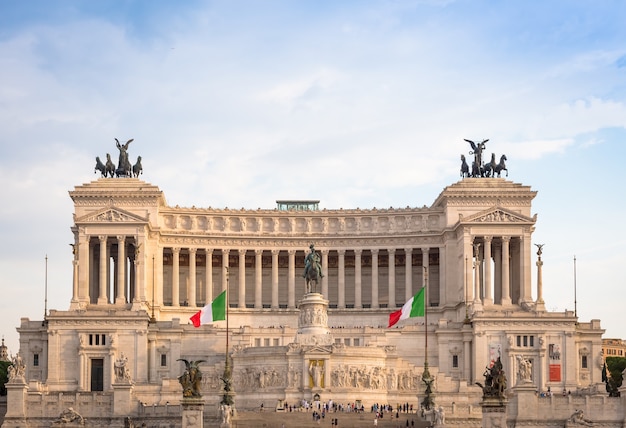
(142, 268)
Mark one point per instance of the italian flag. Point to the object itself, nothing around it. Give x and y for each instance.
(413, 308)
(214, 311)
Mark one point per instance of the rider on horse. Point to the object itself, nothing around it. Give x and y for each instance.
(312, 260)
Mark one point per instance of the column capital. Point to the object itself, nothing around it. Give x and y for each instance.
(193, 250)
(242, 252)
(408, 250)
(391, 251)
(341, 252)
(375, 251)
(358, 252)
(208, 251)
(102, 238)
(425, 250)
(225, 252)
(487, 238)
(325, 252)
(121, 238)
(176, 250)
(291, 252)
(275, 252)
(258, 252)
(506, 238)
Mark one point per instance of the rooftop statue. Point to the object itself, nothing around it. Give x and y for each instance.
(124, 168)
(478, 167)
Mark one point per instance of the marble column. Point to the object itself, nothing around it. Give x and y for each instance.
(102, 298)
(392, 277)
(506, 289)
(291, 284)
(325, 273)
(258, 279)
(225, 271)
(477, 246)
(120, 298)
(488, 285)
(358, 282)
(84, 280)
(375, 303)
(176, 276)
(242, 279)
(208, 276)
(408, 274)
(540, 302)
(341, 297)
(275, 303)
(191, 285)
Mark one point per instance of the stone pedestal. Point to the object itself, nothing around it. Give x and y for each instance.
(313, 321)
(525, 404)
(193, 412)
(122, 399)
(494, 412)
(16, 404)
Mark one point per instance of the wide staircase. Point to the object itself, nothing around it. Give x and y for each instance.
(344, 420)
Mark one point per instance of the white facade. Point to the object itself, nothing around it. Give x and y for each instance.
(472, 248)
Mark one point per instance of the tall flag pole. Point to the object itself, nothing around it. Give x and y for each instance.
(575, 308)
(428, 402)
(227, 398)
(45, 304)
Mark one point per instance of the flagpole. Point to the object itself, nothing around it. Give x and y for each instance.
(575, 308)
(227, 398)
(427, 403)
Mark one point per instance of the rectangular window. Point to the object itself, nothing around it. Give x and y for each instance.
(276, 342)
(525, 340)
(266, 342)
(35, 360)
(519, 340)
(346, 341)
(455, 361)
(163, 360)
(356, 342)
(338, 341)
(532, 341)
(257, 342)
(583, 362)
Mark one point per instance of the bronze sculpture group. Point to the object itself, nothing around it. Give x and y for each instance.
(124, 168)
(479, 168)
(495, 381)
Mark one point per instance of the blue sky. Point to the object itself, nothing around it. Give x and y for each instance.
(358, 104)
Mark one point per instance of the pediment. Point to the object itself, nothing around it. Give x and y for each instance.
(111, 215)
(497, 215)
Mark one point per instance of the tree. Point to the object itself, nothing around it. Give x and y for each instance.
(4, 367)
(615, 366)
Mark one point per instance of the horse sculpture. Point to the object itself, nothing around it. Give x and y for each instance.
(110, 166)
(100, 167)
(312, 268)
(464, 167)
(311, 277)
(489, 168)
(137, 168)
(501, 166)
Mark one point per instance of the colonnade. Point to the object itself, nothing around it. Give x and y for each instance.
(497, 270)
(109, 266)
(257, 278)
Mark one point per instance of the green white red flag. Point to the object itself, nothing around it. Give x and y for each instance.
(413, 308)
(214, 311)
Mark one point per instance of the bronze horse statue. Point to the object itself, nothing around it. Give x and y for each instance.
(490, 168)
(311, 277)
(464, 167)
(501, 166)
